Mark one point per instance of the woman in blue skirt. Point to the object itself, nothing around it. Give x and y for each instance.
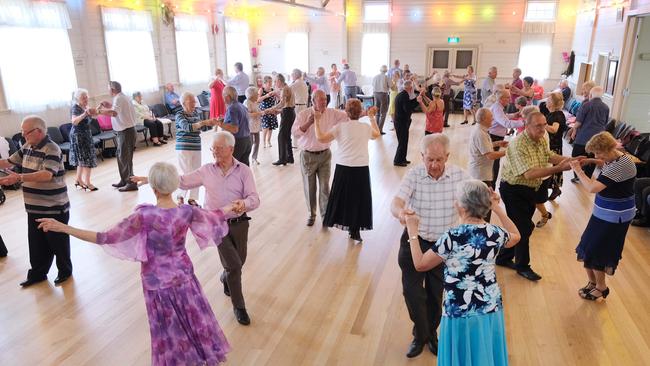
(472, 330)
(601, 245)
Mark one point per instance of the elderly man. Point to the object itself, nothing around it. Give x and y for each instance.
(321, 81)
(236, 122)
(526, 164)
(489, 85)
(39, 166)
(565, 89)
(482, 150)
(123, 121)
(172, 101)
(315, 156)
(427, 186)
(349, 79)
(240, 82)
(300, 90)
(592, 118)
(518, 85)
(448, 94)
(404, 107)
(227, 181)
(394, 69)
(380, 89)
(501, 122)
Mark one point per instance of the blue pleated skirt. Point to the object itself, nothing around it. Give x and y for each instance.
(473, 341)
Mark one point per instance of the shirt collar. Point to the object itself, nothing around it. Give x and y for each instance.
(445, 173)
(235, 164)
(43, 142)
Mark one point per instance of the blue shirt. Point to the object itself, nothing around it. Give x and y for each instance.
(169, 98)
(348, 77)
(237, 115)
(239, 82)
(593, 117)
(188, 137)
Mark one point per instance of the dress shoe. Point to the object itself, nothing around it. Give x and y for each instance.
(290, 161)
(129, 187)
(118, 185)
(310, 221)
(242, 316)
(529, 275)
(507, 264)
(415, 349)
(226, 289)
(446, 125)
(433, 346)
(355, 235)
(400, 164)
(60, 279)
(555, 194)
(408, 162)
(30, 282)
(276, 163)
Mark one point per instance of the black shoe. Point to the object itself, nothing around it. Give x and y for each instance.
(400, 164)
(508, 264)
(529, 275)
(464, 122)
(641, 222)
(446, 125)
(355, 235)
(473, 123)
(311, 220)
(415, 349)
(290, 161)
(226, 289)
(279, 163)
(242, 316)
(555, 194)
(30, 282)
(3, 254)
(382, 132)
(433, 346)
(575, 180)
(60, 279)
(408, 162)
(118, 185)
(129, 187)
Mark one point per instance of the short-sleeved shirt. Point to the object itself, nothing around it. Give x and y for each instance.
(470, 281)
(432, 199)
(479, 166)
(593, 117)
(487, 88)
(49, 197)
(352, 140)
(125, 113)
(555, 139)
(520, 85)
(522, 155)
(566, 93)
(237, 115)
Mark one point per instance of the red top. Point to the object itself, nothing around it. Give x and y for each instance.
(217, 105)
(435, 120)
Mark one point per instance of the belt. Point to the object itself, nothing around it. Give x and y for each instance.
(241, 218)
(317, 152)
(301, 104)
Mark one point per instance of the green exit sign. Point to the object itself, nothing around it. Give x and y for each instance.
(453, 39)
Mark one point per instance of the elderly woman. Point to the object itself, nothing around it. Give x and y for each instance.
(394, 81)
(601, 244)
(556, 126)
(145, 116)
(184, 330)
(82, 150)
(217, 105)
(254, 120)
(188, 140)
(267, 99)
(469, 94)
(350, 203)
(472, 330)
(335, 88)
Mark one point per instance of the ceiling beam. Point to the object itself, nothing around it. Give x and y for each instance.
(305, 6)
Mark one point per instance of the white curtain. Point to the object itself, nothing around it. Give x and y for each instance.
(296, 51)
(375, 45)
(237, 45)
(535, 55)
(129, 48)
(192, 49)
(36, 60)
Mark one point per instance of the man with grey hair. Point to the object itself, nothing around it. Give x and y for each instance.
(349, 78)
(39, 166)
(425, 187)
(380, 89)
(240, 82)
(592, 118)
(300, 91)
(123, 121)
(321, 82)
(501, 123)
(566, 90)
(236, 122)
(488, 86)
(404, 107)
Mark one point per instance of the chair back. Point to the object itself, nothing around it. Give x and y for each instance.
(159, 110)
(94, 127)
(18, 139)
(55, 135)
(12, 145)
(204, 100)
(65, 131)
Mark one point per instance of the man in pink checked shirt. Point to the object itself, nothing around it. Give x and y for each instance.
(316, 157)
(227, 181)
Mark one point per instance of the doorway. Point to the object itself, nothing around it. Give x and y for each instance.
(636, 101)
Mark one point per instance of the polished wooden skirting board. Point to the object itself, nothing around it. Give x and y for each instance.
(314, 297)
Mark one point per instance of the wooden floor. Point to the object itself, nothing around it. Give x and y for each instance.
(314, 297)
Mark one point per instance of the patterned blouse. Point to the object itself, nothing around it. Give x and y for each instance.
(470, 284)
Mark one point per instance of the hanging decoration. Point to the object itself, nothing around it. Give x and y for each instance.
(167, 14)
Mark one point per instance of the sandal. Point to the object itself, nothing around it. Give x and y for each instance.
(591, 297)
(585, 290)
(544, 220)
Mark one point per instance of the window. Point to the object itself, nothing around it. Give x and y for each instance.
(36, 58)
(129, 49)
(535, 54)
(376, 13)
(540, 11)
(374, 52)
(464, 58)
(440, 59)
(237, 46)
(611, 77)
(296, 51)
(192, 49)
(453, 59)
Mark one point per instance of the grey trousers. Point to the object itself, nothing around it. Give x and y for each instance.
(232, 252)
(381, 102)
(242, 149)
(316, 167)
(125, 147)
(255, 140)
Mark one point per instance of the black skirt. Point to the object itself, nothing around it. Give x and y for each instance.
(350, 202)
(601, 245)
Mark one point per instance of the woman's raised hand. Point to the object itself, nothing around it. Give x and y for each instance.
(47, 224)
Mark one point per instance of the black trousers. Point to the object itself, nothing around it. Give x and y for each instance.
(3, 248)
(241, 98)
(520, 207)
(44, 246)
(242, 151)
(446, 98)
(155, 127)
(402, 132)
(497, 162)
(422, 291)
(579, 150)
(285, 150)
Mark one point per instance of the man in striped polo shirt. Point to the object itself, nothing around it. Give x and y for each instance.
(38, 165)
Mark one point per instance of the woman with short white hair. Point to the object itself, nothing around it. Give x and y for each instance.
(184, 329)
(188, 140)
(82, 149)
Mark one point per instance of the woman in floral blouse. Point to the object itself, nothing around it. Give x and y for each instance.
(472, 330)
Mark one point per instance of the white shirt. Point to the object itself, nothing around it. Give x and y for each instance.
(125, 113)
(352, 139)
(240, 82)
(4, 148)
(380, 83)
(142, 112)
(300, 92)
(479, 166)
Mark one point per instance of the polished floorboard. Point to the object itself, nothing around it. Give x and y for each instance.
(315, 298)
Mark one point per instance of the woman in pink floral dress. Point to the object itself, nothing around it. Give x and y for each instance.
(184, 330)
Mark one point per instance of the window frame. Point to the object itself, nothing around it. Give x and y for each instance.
(536, 19)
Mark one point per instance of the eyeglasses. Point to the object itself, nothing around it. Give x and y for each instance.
(28, 132)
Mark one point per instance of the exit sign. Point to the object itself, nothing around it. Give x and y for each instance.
(453, 39)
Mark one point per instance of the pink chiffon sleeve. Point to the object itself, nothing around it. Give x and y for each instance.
(126, 240)
(208, 227)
